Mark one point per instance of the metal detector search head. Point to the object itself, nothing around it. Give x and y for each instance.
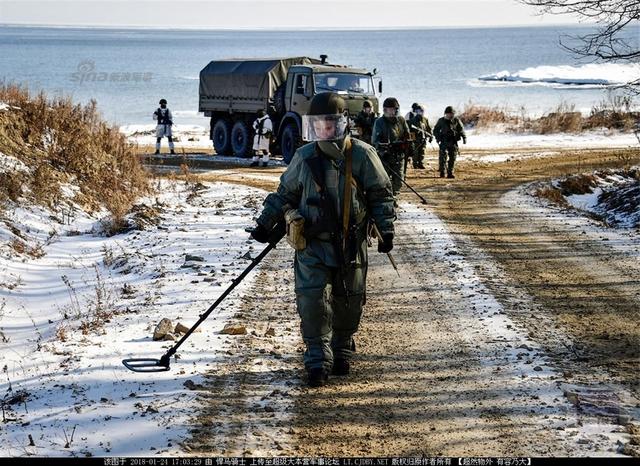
(147, 364)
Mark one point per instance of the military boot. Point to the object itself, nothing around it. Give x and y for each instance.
(317, 377)
(157, 152)
(340, 367)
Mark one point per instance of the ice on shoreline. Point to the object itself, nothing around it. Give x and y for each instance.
(587, 76)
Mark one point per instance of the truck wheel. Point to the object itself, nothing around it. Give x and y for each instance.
(222, 137)
(290, 141)
(241, 139)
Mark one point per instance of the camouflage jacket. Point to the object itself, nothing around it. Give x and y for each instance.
(449, 131)
(372, 196)
(422, 123)
(386, 130)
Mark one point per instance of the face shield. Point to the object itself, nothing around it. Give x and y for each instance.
(324, 127)
(391, 112)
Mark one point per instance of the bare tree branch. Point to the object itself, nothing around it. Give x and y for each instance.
(617, 24)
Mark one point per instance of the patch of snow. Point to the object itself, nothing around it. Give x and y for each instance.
(184, 136)
(9, 163)
(74, 381)
(593, 139)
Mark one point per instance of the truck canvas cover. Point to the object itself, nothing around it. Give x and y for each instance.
(246, 79)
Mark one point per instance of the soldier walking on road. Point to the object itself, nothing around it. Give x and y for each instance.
(165, 120)
(419, 126)
(448, 131)
(327, 195)
(364, 121)
(390, 138)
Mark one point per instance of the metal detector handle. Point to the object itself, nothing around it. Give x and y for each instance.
(393, 172)
(236, 281)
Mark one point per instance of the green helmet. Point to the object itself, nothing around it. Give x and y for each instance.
(327, 103)
(163, 101)
(449, 109)
(414, 106)
(366, 104)
(391, 102)
(327, 120)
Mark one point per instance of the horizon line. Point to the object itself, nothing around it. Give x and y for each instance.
(286, 28)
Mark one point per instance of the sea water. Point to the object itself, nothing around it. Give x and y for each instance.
(128, 70)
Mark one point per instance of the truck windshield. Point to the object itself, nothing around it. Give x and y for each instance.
(344, 83)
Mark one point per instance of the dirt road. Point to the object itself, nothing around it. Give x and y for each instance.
(512, 330)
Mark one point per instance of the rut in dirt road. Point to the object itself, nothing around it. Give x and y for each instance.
(440, 369)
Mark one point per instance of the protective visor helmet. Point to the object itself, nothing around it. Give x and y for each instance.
(391, 107)
(327, 120)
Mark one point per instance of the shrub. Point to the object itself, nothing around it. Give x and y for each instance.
(60, 141)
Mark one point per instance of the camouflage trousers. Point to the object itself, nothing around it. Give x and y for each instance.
(450, 149)
(328, 317)
(418, 154)
(394, 163)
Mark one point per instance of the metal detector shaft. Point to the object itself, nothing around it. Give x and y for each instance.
(153, 365)
(394, 173)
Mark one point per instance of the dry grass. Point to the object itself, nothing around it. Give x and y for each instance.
(485, 117)
(63, 142)
(615, 112)
(551, 194)
(578, 184)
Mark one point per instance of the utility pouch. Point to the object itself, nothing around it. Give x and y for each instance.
(295, 229)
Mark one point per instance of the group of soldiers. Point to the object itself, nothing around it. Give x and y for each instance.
(398, 139)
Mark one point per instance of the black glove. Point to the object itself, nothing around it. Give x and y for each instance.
(430, 139)
(387, 243)
(464, 140)
(260, 234)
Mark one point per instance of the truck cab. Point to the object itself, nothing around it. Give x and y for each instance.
(305, 81)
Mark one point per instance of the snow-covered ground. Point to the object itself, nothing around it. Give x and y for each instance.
(197, 137)
(612, 196)
(603, 138)
(185, 136)
(64, 389)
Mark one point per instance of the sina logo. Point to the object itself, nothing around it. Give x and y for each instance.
(86, 72)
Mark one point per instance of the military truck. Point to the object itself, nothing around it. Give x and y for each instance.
(232, 91)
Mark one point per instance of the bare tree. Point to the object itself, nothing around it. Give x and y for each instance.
(617, 34)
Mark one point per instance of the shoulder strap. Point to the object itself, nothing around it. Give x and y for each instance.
(346, 200)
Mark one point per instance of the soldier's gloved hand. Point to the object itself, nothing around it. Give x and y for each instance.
(387, 243)
(260, 234)
(430, 139)
(464, 140)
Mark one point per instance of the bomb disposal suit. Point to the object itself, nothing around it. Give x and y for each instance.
(331, 247)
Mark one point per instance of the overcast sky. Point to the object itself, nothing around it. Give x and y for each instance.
(235, 14)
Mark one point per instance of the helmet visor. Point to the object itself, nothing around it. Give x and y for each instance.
(324, 127)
